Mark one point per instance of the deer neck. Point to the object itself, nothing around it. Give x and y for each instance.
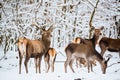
(98, 57)
(95, 40)
(46, 41)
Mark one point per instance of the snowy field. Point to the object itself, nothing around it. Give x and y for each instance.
(71, 19)
(9, 69)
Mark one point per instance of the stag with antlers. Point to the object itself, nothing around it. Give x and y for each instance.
(35, 48)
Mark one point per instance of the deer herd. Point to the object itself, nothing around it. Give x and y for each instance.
(81, 50)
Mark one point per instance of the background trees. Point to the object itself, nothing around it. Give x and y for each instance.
(71, 18)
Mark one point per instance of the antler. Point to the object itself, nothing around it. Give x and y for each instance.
(34, 24)
(51, 28)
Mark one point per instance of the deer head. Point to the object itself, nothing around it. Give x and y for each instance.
(47, 33)
(104, 65)
(97, 33)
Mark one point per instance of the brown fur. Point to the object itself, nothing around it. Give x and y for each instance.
(109, 44)
(36, 48)
(22, 42)
(80, 61)
(86, 51)
(50, 57)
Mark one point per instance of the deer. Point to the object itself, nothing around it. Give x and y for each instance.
(21, 44)
(80, 61)
(37, 48)
(110, 44)
(49, 59)
(86, 51)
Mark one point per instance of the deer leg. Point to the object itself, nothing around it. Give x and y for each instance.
(52, 67)
(25, 63)
(38, 65)
(88, 65)
(78, 62)
(69, 56)
(91, 67)
(35, 60)
(66, 64)
(53, 63)
(47, 65)
(20, 62)
(70, 64)
(40, 58)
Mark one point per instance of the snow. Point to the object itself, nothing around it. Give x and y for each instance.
(16, 19)
(9, 69)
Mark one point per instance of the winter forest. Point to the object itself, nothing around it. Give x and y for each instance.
(70, 18)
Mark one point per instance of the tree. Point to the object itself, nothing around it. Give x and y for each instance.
(71, 18)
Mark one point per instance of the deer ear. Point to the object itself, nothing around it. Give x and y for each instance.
(92, 28)
(108, 59)
(42, 30)
(51, 28)
(102, 28)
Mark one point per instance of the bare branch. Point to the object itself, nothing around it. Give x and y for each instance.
(114, 64)
(90, 3)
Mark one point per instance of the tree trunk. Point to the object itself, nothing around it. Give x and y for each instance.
(91, 18)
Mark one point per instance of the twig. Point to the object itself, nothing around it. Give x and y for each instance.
(62, 54)
(3, 57)
(113, 64)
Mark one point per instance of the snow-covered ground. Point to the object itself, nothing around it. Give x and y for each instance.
(9, 69)
(71, 19)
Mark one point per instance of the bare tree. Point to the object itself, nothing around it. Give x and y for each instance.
(91, 18)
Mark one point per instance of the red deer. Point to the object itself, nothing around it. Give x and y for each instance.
(86, 51)
(50, 57)
(22, 50)
(112, 45)
(37, 48)
(79, 60)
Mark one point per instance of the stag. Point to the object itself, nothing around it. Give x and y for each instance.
(86, 51)
(49, 58)
(112, 45)
(34, 48)
(37, 48)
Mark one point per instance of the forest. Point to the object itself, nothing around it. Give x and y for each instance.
(70, 19)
